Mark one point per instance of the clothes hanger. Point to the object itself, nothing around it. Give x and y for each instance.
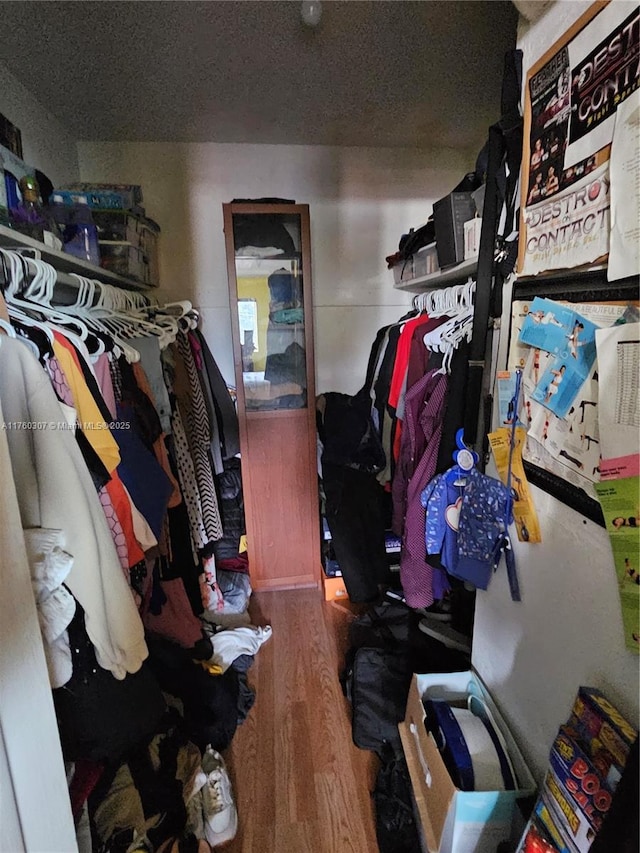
(11, 333)
(8, 328)
(128, 314)
(465, 459)
(90, 306)
(24, 312)
(179, 308)
(41, 290)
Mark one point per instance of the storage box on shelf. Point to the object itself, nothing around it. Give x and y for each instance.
(105, 196)
(450, 214)
(424, 262)
(455, 821)
(442, 278)
(63, 262)
(120, 228)
(403, 271)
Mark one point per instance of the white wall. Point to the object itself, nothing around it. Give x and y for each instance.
(567, 630)
(361, 200)
(47, 145)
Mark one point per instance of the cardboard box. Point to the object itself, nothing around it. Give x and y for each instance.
(455, 821)
(10, 136)
(14, 164)
(536, 839)
(450, 214)
(102, 199)
(334, 588)
(472, 229)
(547, 819)
(569, 818)
(580, 778)
(602, 726)
(130, 195)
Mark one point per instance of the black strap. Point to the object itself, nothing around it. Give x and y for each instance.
(484, 279)
(503, 169)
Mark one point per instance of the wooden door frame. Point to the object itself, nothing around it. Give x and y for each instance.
(244, 417)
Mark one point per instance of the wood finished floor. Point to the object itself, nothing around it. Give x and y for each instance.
(301, 786)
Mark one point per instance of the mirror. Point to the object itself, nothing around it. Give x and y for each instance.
(271, 310)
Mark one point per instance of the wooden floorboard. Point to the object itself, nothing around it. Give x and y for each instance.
(301, 786)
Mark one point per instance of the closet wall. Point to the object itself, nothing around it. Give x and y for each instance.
(361, 200)
(567, 630)
(47, 144)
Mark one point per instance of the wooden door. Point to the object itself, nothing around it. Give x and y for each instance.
(272, 320)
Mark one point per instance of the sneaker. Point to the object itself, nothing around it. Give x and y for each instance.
(219, 810)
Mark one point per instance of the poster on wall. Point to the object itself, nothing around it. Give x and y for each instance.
(554, 344)
(619, 500)
(571, 98)
(624, 250)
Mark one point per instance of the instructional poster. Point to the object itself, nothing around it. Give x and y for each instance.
(570, 338)
(620, 501)
(572, 96)
(569, 446)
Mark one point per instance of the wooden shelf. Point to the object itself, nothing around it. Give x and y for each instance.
(64, 263)
(442, 278)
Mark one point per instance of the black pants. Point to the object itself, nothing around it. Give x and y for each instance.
(354, 512)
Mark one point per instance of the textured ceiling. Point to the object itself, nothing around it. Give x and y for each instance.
(377, 73)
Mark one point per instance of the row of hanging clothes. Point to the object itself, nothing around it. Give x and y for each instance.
(123, 441)
(382, 446)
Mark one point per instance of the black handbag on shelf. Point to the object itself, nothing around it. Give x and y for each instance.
(416, 239)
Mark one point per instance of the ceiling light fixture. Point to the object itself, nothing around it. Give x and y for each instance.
(311, 12)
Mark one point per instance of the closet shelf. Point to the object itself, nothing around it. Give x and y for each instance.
(64, 263)
(453, 275)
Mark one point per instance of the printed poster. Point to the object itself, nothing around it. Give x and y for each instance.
(619, 410)
(572, 443)
(572, 228)
(568, 447)
(572, 98)
(620, 501)
(570, 337)
(624, 251)
(604, 73)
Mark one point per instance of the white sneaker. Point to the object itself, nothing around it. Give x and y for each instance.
(219, 810)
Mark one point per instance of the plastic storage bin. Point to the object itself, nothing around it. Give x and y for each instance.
(125, 260)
